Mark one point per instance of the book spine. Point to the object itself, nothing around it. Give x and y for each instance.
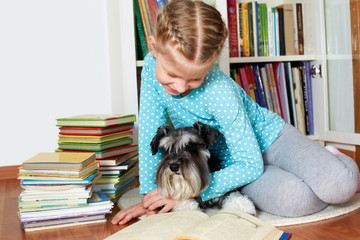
(245, 28)
(240, 27)
(290, 92)
(253, 82)
(232, 25)
(258, 30)
(140, 30)
(251, 29)
(309, 97)
(281, 32)
(300, 28)
(260, 86)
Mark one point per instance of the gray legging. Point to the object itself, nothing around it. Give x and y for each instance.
(301, 177)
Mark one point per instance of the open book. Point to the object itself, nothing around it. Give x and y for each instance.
(195, 225)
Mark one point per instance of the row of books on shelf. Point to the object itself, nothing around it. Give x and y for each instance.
(145, 12)
(282, 87)
(256, 29)
(76, 184)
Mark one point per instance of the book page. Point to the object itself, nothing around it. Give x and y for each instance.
(163, 226)
(231, 224)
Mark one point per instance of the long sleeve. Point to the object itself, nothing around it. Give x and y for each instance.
(241, 152)
(152, 115)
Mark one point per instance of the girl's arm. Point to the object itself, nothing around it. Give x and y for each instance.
(152, 115)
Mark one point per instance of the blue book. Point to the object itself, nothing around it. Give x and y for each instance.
(259, 86)
(310, 110)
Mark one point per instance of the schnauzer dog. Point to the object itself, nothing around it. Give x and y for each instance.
(185, 167)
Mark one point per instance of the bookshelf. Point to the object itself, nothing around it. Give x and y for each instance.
(315, 51)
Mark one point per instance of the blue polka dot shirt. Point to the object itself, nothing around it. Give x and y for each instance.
(247, 129)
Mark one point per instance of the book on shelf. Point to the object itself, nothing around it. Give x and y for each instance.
(140, 32)
(181, 225)
(300, 28)
(95, 146)
(245, 28)
(290, 92)
(309, 99)
(116, 161)
(59, 160)
(94, 139)
(233, 29)
(289, 27)
(95, 131)
(96, 120)
(299, 99)
(61, 172)
(112, 152)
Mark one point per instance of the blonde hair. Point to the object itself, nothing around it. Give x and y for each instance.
(194, 28)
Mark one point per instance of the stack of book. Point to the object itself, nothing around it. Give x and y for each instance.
(59, 191)
(110, 137)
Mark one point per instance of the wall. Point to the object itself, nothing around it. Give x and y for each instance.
(54, 61)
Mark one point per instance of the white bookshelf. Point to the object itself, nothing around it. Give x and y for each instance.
(315, 51)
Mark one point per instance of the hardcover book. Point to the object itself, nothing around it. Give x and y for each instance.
(96, 120)
(59, 160)
(94, 139)
(95, 131)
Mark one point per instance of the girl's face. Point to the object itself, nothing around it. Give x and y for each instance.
(177, 74)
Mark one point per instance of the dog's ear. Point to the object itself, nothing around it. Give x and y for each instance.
(207, 133)
(161, 132)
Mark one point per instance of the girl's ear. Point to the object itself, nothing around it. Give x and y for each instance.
(152, 43)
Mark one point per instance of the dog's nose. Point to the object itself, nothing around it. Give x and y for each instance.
(174, 167)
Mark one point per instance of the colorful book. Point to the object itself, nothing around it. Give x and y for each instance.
(300, 28)
(96, 120)
(58, 160)
(245, 29)
(233, 29)
(61, 172)
(309, 98)
(94, 139)
(116, 161)
(95, 131)
(95, 146)
(260, 87)
(112, 152)
(299, 99)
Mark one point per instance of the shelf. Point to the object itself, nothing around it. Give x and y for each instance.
(292, 58)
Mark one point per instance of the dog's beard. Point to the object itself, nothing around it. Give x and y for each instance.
(192, 178)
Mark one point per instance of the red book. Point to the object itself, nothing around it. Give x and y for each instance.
(95, 131)
(110, 152)
(233, 29)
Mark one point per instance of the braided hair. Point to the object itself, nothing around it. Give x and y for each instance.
(194, 28)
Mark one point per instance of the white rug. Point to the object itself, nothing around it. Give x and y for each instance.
(132, 197)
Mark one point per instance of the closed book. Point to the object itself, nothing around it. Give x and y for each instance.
(281, 31)
(112, 152)
(61, 172)
(94, 139)
(290, 92)
(233, 29)
(96, 120)
(95, 146)
(299, 99)
(59, 160)
(300, 28)
(95, 131)
(52, 194)
(123, 166)
(245, 29)
(289, 29)
(260, 86)
(309, 97)
(116, 161)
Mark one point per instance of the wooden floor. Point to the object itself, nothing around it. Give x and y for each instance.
(340, 228)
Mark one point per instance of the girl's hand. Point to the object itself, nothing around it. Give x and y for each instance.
(129, 213)
(154, 200)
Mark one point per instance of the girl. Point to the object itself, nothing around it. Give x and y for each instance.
(281, 170)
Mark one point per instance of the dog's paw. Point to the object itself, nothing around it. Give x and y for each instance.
(240, 202)
(187, 204)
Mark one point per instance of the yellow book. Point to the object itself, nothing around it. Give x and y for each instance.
(94, 139)
(59, 160)
(245, 26)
